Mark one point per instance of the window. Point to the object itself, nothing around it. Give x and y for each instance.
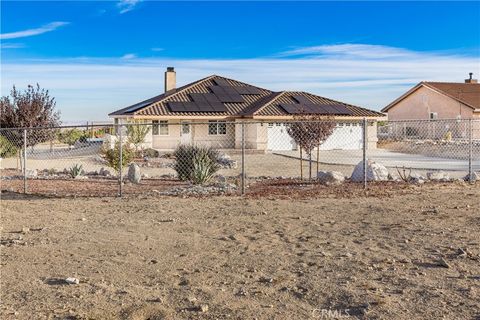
(433, 116)
(217, 127)
(160, 127)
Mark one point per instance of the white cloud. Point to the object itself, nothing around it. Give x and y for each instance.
(90, 88)
(157, 49)
(33, 32)
(129, 56)
(127, 5)
(12, 45)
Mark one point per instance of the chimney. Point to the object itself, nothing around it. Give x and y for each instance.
(470, 80)
(170, 79)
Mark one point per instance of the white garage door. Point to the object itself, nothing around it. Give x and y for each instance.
(346, 136)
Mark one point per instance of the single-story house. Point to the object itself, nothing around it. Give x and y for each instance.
(437, 100)
(210, 111)
(443, 104)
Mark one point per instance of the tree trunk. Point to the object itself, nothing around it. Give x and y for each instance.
(301, 164)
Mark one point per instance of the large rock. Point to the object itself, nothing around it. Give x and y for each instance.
(475, 177)
(375, 172)
(438, 176)
(31, 173)
(134, 174)
(104, 172)
(330, 177)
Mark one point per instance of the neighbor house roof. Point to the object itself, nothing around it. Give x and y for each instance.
(465, 93)
(254, 102)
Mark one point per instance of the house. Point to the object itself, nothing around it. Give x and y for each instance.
(210, 111)
(440, 108)
(437, 100)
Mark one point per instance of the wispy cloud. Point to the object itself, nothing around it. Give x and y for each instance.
(157, 49)
(103, 85)
(12, 45)
(129, 56)
(33, 32)
(127, 5)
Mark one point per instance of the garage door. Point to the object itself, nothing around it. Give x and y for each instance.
(346, 136)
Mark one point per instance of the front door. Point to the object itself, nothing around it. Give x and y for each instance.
(185, 133)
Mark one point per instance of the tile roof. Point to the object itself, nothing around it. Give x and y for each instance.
(265, 103)
(465, 93)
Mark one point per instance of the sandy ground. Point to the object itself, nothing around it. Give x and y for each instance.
(350, 256)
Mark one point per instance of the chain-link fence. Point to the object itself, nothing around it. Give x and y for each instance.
(232, 157)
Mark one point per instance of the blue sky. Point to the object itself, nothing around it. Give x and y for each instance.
(96, 57)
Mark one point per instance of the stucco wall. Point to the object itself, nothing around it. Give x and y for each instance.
(419, 104)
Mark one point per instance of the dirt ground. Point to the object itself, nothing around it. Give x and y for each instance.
(320, 255)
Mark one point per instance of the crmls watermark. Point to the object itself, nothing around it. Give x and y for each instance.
(330, 314)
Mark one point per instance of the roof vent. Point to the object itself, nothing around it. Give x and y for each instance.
(470, 79)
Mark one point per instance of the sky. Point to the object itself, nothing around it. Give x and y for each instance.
(96, 57)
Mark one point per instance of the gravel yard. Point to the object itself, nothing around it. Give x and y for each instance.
(394, 252)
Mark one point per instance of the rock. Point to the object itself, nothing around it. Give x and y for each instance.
(72, 281)
(226, 161)
(25, 230)
(203, 308)
(438, 176)
(330, 177)
(145, 176)
(134, 175)
(221, 178)
(375, 172)
(31, 173)
(104, 172)
(475, 177)
(415, 177)
(443, 263)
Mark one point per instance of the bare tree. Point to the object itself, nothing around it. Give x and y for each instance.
(137, 133)
(310, 132)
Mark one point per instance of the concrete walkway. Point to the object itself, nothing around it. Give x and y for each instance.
(388, 159)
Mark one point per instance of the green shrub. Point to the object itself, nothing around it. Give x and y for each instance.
(151, 153)
(7, 149)
(71, 136)
(194, 163)
(76, 170)
(112, 156)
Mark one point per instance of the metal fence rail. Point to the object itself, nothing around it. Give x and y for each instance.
(162, 157)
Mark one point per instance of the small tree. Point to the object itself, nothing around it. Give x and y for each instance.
(71, 136)
(136, 134)
(309, 132)
(29, 109)
(112, 156)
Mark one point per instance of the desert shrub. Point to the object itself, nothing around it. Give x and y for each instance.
(71, 136)
(151, 153)
(448, 136)
(137, 133)
(194, 163)
(76, 170)
(7, 148)
(112, 156)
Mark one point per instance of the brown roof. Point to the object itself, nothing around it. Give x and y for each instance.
(465, 93)
(265, 103)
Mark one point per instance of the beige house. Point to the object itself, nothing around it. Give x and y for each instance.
(211, 111)
(436, 101)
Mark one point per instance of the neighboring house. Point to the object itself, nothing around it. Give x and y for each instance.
(437, 100)
(444, 104)
(221, 104)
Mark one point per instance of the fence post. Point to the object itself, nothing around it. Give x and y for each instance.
(120, 156)
(243, 159)
(364, 156)
(25, 161)
(470, 151)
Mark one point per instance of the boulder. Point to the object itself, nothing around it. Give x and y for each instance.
(134, 174)
(375, 172)
(104, 172)
(438, 176)
(330, 177)
(475, 177)
(417, 178)
(31, 173)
